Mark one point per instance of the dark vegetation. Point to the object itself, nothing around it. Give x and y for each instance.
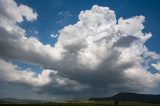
(147, 98)
(104, 103)
(121, 99)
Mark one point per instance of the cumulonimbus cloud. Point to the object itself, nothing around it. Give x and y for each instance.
(98, 54)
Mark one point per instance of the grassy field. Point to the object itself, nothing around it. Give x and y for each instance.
(102, 103)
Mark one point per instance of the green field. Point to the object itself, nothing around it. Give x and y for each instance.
(102, 103)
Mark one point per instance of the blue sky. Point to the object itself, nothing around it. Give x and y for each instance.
(96, 50)
(49, 17)
(53, 15)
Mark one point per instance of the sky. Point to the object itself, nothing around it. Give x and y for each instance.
(74, 49)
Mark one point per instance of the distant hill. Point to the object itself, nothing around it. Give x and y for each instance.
(149, 98)
(19, 101)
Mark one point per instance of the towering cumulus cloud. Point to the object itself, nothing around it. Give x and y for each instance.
(96, 56)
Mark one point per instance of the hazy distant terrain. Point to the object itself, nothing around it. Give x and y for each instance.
(124, 99)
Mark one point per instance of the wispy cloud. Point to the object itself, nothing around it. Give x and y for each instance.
(54, 36)
(65, 15)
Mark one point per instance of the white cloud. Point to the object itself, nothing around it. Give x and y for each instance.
(132, 25)
(54, 36)
(12, 13)
(27, 13)
(156, 66)
(12, 73)
(96, 54)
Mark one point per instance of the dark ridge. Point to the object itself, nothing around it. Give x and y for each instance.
(20, 101)
(148, 98)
